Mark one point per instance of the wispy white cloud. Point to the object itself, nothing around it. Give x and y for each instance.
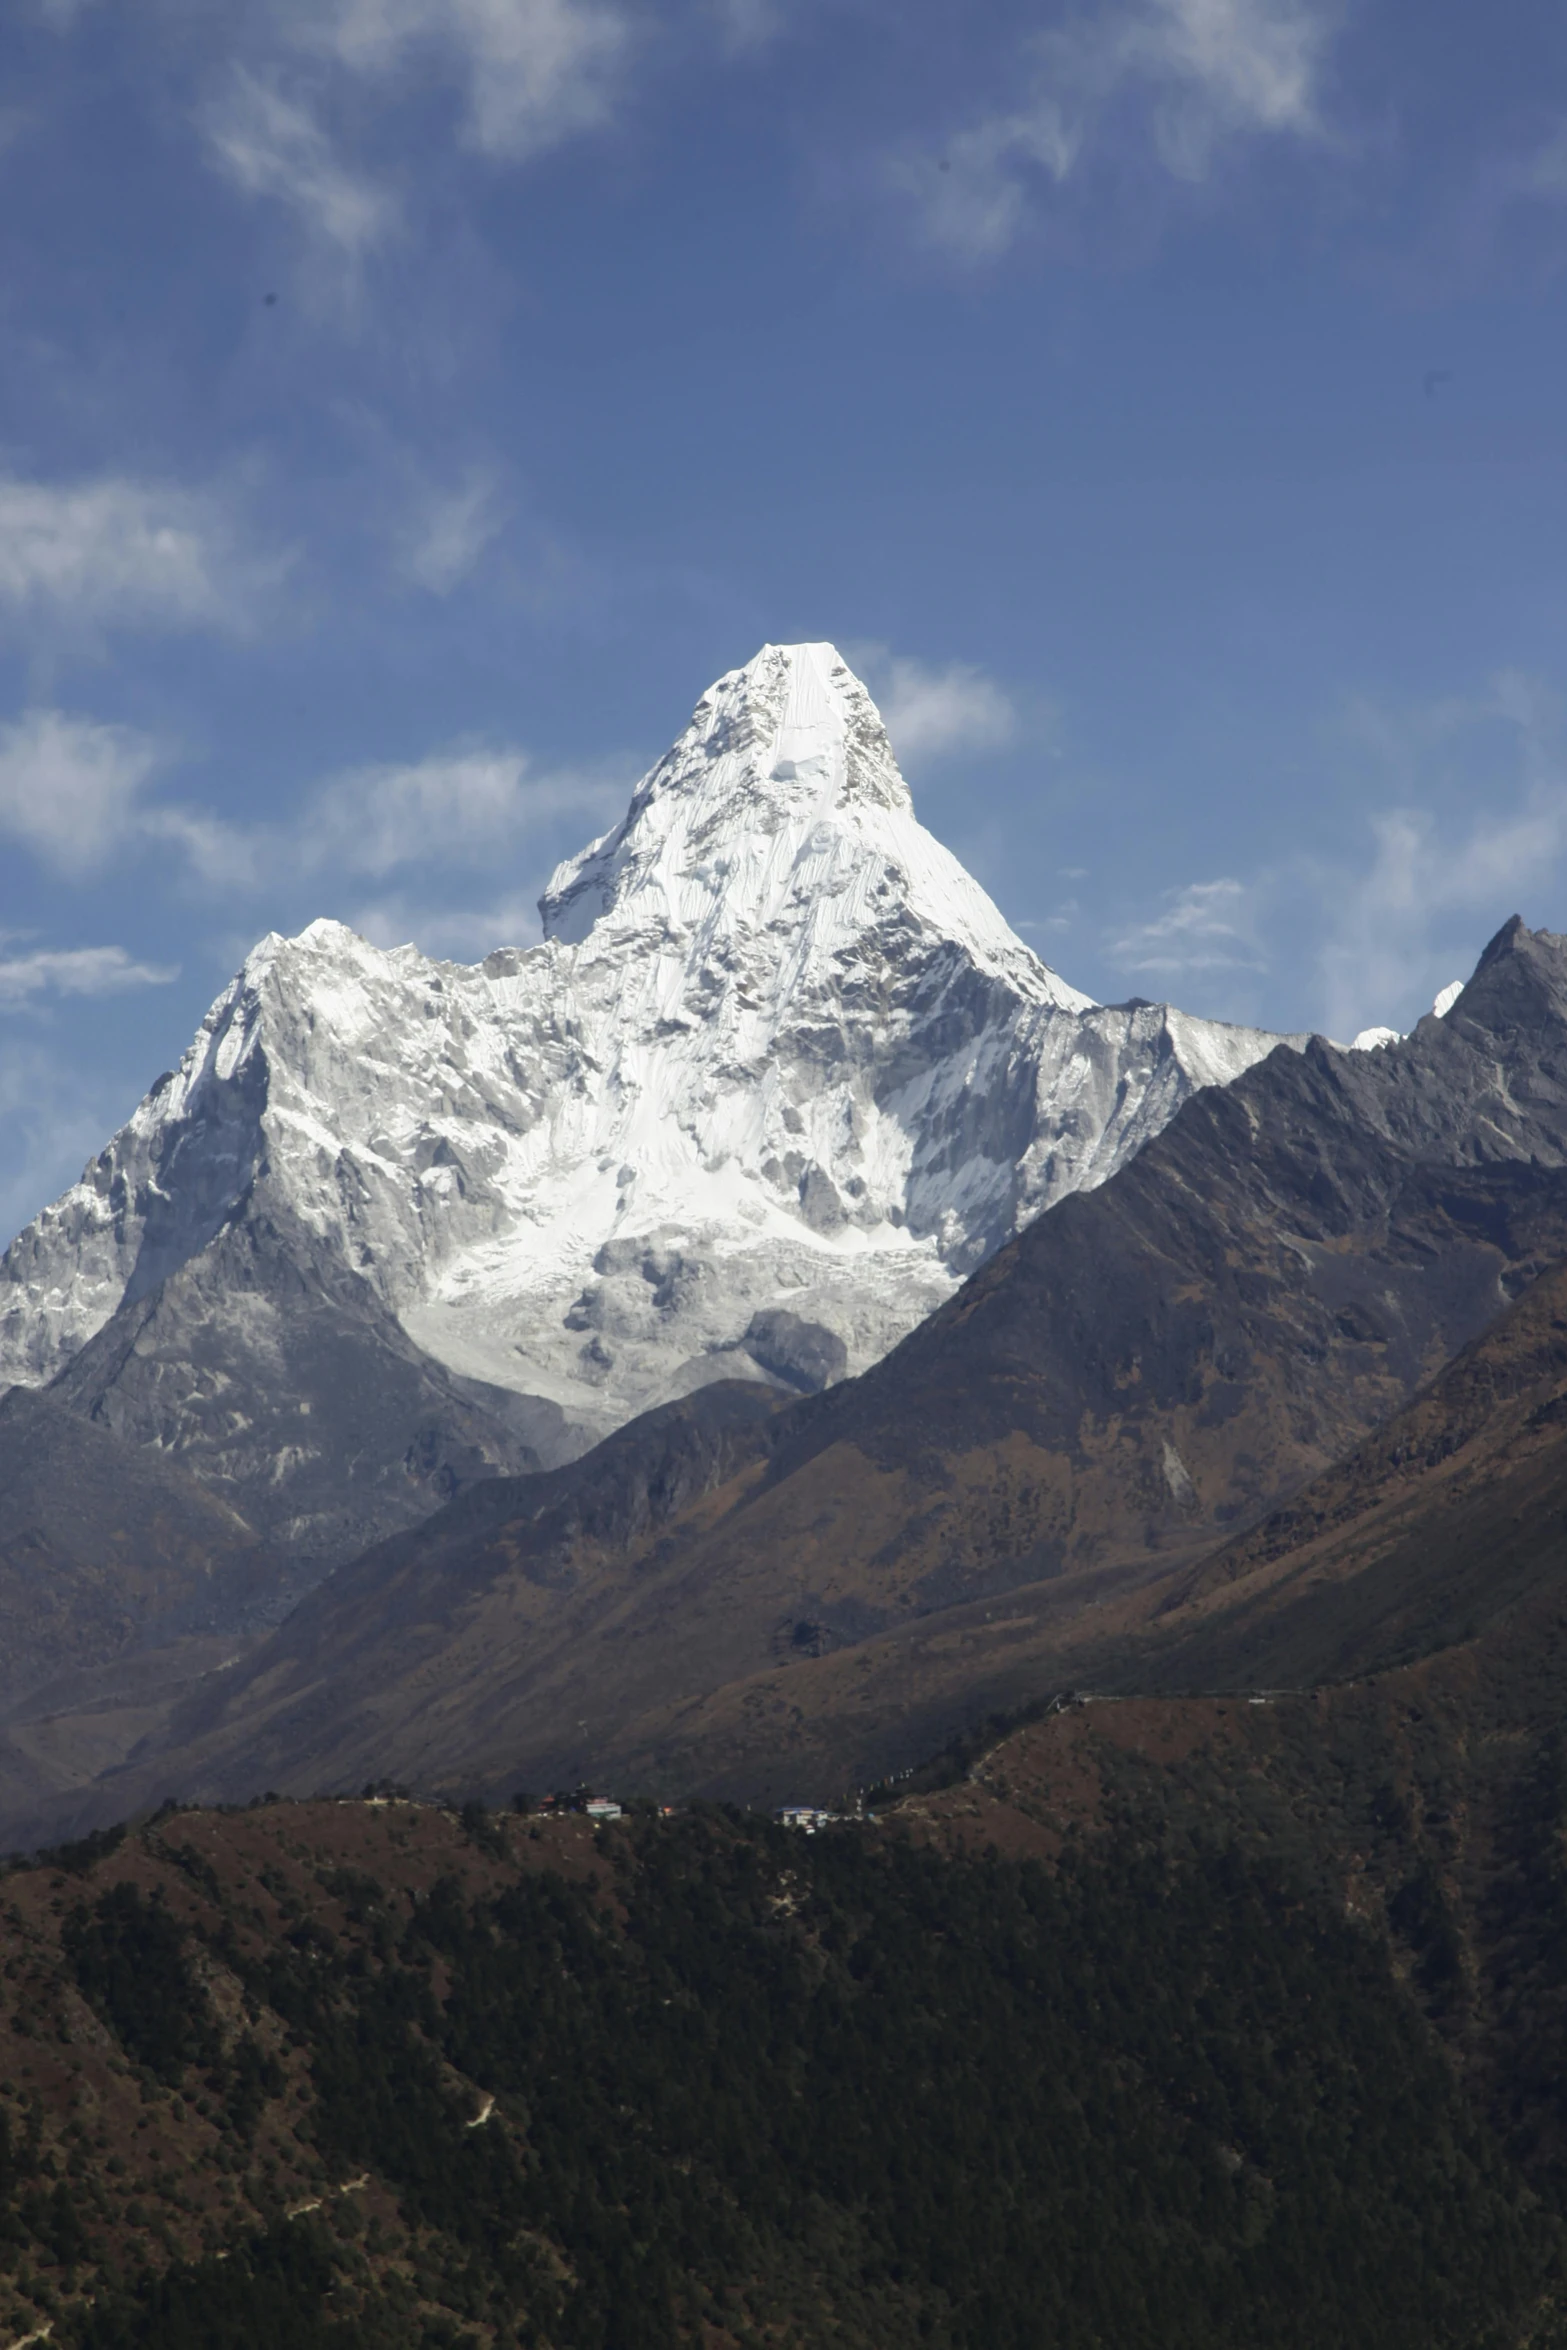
(1465, 823)
(458, 808)
(1394, 938)
(1432, 890)
(300, 118)
(1205, 927)
(69, 788)
(535, 72)
(931, 712)
(465, 934)
(218, 854)
(748, 24)
(270, 142)
(73, 791)
(1180, 79)
(1225, 66)
(78, 971)
(448, 531)
(116, 552)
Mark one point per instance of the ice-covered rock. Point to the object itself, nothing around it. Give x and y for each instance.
(778, 1077)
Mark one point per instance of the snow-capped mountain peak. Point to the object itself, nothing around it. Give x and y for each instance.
(781, 813)
(779, 1075)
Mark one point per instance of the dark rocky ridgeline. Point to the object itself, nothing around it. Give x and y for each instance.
(375, 2076)
(1148, 1370)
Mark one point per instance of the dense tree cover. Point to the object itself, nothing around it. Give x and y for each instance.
(129, 1959)
(33, 2211)
(845, 2090)
(267, 2295)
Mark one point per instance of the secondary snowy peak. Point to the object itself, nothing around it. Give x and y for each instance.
(1370, 1040)
(780, 816)
(778, 1077)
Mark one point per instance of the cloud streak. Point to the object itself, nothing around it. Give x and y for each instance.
(305, 119)
(77, 971)
(535, 72)
(1437, 879)
(459, 808)
(269, 143)
(1175, 80)
(1422, 887)
(1207, 926)
(76, 794)
(934, 712)
(448, 533)
(120, 553)
(1472, 827)
(69, 789)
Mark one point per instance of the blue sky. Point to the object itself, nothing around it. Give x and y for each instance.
(407, 407)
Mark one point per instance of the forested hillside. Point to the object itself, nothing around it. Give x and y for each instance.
(371, 2073)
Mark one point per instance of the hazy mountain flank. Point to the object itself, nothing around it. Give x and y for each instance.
(754, 1595)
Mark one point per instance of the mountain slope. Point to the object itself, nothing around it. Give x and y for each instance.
(1143, 1370)
(277, 1376)
(1453, 1515)
(1427, 1801)
(370, 2076)
(778, 1076)
(122, 1581)
(107, 1550)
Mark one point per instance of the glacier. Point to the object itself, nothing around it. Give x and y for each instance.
(778, 1077)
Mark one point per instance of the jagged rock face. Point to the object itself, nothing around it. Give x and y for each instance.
(777, 1078)
(277, 1376)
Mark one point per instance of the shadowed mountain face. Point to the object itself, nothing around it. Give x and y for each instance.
(107, 1551)
(276, 1376)
(162, 1507)
(780, 1597)
(1451, 1516)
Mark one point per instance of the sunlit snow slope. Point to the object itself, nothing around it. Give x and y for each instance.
(778, 1077)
